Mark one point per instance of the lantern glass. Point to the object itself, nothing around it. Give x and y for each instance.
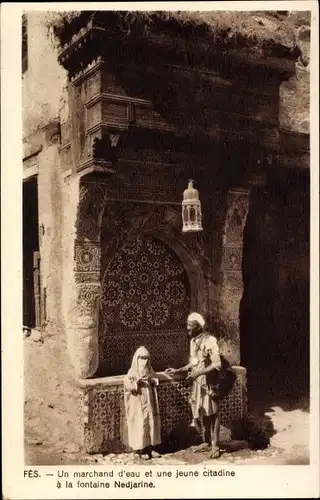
(191, 210)
(192, 214)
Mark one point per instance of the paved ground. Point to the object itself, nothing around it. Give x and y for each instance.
(288, 430)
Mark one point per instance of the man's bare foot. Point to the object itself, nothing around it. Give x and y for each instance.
(201, 447)
(155, 454)
(215, 453)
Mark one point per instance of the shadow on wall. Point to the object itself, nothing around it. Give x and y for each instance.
(191, 102)
(275, 306)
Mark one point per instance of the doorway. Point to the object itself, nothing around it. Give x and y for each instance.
(274, 314)
(31, 257)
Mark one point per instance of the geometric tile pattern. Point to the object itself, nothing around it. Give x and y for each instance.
(167, 348)
(101, 411)
(145, 299)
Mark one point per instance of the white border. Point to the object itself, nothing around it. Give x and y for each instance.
(251, 481)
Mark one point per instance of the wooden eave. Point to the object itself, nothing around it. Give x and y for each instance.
(104, 43)
(78, 43)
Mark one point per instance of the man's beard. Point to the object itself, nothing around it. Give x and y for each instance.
(194, 333)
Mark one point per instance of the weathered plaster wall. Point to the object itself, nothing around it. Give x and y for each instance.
(50, 396)
(44, 80)
(49, 221)
(295, 94)
(43, 102)
(50, 400)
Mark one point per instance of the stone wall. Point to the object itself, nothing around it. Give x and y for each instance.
(295, 94)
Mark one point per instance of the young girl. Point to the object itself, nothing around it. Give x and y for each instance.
(141, 405)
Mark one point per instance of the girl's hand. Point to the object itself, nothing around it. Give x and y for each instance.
(193, 375)
(143, 380)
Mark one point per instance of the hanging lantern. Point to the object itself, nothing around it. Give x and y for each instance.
(191, 210)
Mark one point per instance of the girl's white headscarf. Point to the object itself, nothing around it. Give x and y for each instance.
(198, 318)
(134, 370)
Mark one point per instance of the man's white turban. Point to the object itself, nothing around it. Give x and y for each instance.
(198, 318)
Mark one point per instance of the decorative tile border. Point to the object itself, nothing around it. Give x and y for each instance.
(102, 419)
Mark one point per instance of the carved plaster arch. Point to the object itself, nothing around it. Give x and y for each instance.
(98, 222)
(156, 226)
(161, 223)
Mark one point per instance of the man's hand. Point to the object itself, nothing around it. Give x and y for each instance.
(171, 371)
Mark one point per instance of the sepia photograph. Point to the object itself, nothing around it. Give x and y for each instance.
(165, 241)
(166, 192)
